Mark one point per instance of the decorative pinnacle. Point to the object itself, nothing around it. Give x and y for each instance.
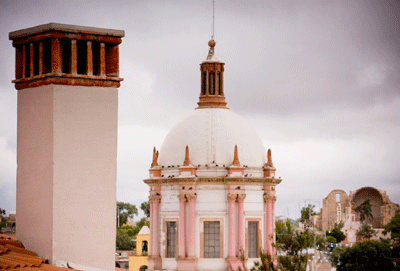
(212, 43)
(187, 161)
(155, 158)
(236, 157)
(269, 156)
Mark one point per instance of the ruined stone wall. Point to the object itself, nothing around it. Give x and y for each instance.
(333, 209)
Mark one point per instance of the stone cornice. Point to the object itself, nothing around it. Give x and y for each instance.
(67, 79)
(214, 180)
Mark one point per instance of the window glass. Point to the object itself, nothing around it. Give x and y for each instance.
(211, 239)
(253, 234)
(171, 239)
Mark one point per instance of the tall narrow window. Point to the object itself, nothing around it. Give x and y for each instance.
(211, 239)
(212, 83)
(253, 237)
(171, 239)
(337, 197)
(204, 82)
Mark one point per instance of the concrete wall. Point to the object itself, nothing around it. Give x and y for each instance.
(67, 150)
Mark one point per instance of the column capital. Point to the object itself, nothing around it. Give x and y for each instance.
(155, 198)
(241, 197)
(232, 196)
(191, 197)
(182, 197)
(268, 198)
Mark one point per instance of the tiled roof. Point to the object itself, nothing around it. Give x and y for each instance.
(14, 257)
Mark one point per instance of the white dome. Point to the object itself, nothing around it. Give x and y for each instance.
(211, 134)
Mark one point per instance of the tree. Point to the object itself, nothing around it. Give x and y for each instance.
(367, 256)
(365, 211)
(337, 234)
(365, 232)
(292, 242)
(306, 214)
(2, 212)
(266, 264)
(125, 210)
(124, 241)
(138, 226)
(394, 228)
(331, 239)
(145, 206)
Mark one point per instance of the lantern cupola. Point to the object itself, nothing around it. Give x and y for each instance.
(212, 81)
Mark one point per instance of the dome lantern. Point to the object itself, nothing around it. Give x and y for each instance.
(212, 81)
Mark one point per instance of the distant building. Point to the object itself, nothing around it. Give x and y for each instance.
(337, 206)
(210, 205)
(142, 250)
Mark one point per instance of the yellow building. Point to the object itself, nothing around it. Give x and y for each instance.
(142, 249)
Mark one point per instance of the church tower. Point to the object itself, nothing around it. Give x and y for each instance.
(212, 187)
(67, 79)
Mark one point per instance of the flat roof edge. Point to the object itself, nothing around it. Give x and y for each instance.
(77, 29)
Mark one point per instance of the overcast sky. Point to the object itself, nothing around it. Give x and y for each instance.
(319, 80)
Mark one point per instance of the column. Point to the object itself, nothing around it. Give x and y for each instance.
(112, 60)
(231, 225)
(102, 59)
(156, 222)
(192, 230)
(74, 61)
(272, 218)
(56, 56)
(40, 58)
(151, 227)
(269, 223)
(182, 226)
(240, 200)
(89, 58)
(31, 60)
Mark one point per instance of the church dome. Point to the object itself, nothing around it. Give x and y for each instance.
(212, 141)
(211, 135)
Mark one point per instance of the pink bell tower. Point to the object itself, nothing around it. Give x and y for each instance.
(67, 79)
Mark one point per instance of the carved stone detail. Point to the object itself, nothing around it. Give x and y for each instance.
(182, 197)
(241, 197)
(269, 198)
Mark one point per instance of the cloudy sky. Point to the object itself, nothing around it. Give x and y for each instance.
(319, 80)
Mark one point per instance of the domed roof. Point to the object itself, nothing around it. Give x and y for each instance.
(211, 134)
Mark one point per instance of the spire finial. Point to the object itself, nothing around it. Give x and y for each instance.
(187, 161)
(155, 158)
(269, 156)
(236, 157)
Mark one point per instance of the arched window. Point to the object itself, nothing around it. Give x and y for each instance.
(204, 82)
(219, 83)
(212, 83)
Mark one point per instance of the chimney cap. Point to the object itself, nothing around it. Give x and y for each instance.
(68, 28)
